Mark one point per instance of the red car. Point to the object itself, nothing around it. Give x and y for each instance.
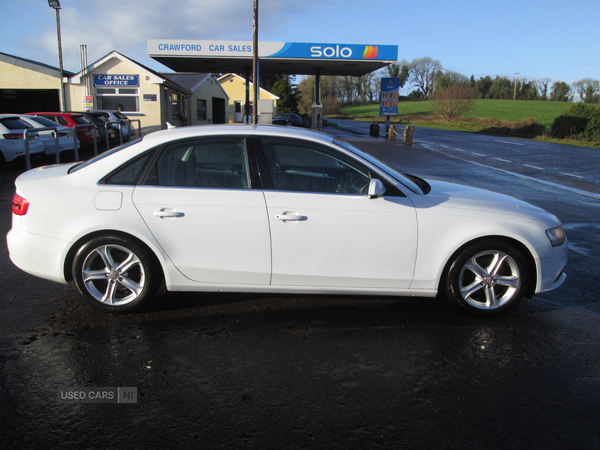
(67, 119)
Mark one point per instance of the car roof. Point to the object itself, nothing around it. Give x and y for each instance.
(69, 114)
(33, 118)
(237, 130)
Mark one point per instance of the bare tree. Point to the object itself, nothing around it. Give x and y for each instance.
(587, 88)
(423, 72)
(542, 86)
(453, 100)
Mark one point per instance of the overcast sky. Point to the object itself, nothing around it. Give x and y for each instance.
(536, 38)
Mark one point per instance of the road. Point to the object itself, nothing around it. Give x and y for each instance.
(256, 371)
(565, 165)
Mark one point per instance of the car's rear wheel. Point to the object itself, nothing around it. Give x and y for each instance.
(115, 274)
(488, 278)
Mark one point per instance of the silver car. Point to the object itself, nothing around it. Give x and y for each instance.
(117, 116)
(65, 134)
(12, 142)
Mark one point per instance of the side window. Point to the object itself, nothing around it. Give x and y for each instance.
(62, 120)
(218, 163)
(130, 172)
(303, 167)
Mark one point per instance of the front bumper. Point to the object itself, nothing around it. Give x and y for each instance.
(550, 274)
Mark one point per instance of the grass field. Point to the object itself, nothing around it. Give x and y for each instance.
(497, 117)
(505, 110)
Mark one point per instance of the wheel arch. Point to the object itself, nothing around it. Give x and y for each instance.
(67, 269)
(529, 259)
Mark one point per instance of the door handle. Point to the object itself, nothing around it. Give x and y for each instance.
(170, 213)
(291, 217)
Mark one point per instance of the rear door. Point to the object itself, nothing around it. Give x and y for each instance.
(199, 203)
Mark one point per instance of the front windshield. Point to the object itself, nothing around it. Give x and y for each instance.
(103, 155)
(400, 177)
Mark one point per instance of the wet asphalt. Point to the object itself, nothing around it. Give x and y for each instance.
(257, 371)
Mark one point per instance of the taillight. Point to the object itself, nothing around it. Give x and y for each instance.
(13, 136)
(19, 205)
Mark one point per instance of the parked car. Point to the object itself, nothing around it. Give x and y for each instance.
(12, 142)
(67, 119)
(117, 116)
(279, 210)
(101, 124)
(287, 119)
(65, 134)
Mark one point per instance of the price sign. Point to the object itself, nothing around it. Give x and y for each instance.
(390, 88)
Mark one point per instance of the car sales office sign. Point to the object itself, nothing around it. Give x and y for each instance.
(390, 87)
(116, 80)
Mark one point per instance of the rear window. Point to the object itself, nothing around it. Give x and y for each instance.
(103, 155)
(80, 120)
(120, 115)
(45, 122)
(14, 123)
(95, 119)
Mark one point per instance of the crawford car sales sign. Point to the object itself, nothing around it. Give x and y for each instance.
(116, 80)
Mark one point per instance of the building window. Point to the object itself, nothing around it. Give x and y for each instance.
(121, 99)
(201, 110)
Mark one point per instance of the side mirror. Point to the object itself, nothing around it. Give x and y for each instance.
(376, 188)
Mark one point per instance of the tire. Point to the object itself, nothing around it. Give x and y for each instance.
(115, 274)
(488, 278)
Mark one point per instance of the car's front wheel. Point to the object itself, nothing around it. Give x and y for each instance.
(488, 278)
(115, 274)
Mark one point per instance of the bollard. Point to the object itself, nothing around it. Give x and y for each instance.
(408, 135)
(392, 134)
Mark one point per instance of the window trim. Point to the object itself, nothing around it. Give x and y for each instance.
(117, 93)
(255, 180)
(267, 181)
(140, 176)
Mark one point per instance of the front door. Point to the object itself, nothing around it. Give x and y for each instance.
(326, 231)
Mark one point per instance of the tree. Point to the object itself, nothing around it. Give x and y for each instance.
(400, 71)
(423, 72)
(347, 89)
(587, 89)
(482, 87)
(306, 94)
(542, 86)
(453, 100)
(502, 88)
(451, 78)
(527, 90)
(329, 93)
(561, 92)
(287, 93)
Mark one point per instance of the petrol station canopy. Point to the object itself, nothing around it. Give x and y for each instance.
(293, 58)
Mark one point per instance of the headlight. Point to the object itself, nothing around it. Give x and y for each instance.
(557, 236)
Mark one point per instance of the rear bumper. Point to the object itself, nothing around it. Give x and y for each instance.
(37, 255)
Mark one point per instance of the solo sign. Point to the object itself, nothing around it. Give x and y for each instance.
(116, 80)
(390, 87)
